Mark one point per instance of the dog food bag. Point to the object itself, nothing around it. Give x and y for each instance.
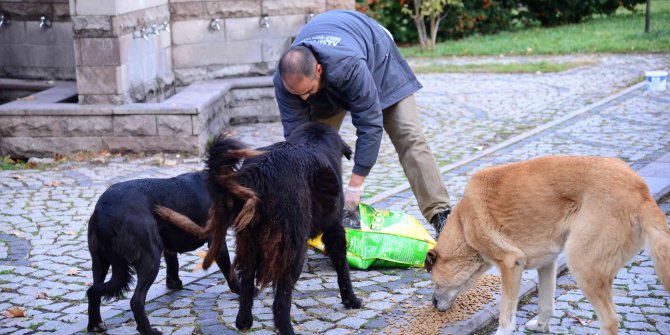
(384, 239)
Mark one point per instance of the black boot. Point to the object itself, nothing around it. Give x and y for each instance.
(439, 220)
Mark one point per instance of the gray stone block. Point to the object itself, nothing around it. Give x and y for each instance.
(274, 48)
(60, 33)
(152, 144)
(12, 34)
(191, 10)
(287, 7)
(100, 80)
(134, 125)
(30, 126)
(84, 126)
(340, 4)
(196, 31)
(47, 146)
(174, 125)
(100, 51)
(92, 25)
(232, 8)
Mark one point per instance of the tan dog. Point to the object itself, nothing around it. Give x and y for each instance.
(523, 215)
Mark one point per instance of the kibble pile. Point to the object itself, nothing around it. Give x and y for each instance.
(426, 320)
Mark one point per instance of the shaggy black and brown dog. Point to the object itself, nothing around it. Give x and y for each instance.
(126, 234)
(276, 201)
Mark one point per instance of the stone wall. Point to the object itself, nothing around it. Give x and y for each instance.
(219, 39)
(30, 52)
(44, 126)
(122, 51)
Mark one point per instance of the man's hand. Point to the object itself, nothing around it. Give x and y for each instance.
(353, 192)
(352, 196)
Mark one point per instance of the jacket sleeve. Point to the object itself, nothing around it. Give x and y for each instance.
(292, 110)
(366, 115)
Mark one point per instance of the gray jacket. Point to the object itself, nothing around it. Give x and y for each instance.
(363, 71)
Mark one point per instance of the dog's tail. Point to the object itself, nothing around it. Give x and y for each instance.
(657, 234)
(122, 272)
(182, 221)
(223, 159)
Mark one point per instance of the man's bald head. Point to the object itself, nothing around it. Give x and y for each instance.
(297, 61)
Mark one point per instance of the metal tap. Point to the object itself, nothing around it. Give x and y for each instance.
(309, 17)
(154, 30)
(44, 22)
(215, 24)
(165, 26)
(4, 20)
(141, 34)
(264, 22)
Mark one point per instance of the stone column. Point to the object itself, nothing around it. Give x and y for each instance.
(122, 51)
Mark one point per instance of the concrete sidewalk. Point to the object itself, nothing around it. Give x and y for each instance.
(472, 121)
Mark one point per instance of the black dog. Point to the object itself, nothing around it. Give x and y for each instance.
(125, 233)
(276, 201)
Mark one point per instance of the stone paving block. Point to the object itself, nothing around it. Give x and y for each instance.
(477, 122)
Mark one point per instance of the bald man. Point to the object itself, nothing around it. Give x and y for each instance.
(344, 61)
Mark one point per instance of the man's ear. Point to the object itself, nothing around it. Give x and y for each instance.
(428, 263)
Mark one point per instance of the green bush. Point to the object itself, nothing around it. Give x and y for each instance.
(557, 12)
(389, 14)
(475, 16)
(478, 17)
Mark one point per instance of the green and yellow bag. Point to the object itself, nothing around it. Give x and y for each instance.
(384, 239)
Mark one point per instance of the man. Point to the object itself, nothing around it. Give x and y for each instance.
(345, 61)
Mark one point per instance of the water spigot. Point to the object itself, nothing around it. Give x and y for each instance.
(154, 30)
(4, 20)
(215, 24)
(264, 22)
(165, 26)
(44, 22)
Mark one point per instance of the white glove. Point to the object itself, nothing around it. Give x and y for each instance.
(352, 196)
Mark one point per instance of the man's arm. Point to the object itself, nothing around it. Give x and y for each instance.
(366, 115)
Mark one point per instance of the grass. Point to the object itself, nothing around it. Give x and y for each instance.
(619, 33)
(538, 67)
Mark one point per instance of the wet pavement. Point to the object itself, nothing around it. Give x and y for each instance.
(471, 120)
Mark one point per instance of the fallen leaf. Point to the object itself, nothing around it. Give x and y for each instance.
(14, 312)
(201, 253)
(73, 272)
(19, 177)
(17, 233)
(581, 321)
(53, 183)
(42, 295)
(70, 232)
(197, 267)
(58, 157)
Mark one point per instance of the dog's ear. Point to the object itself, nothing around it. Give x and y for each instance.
(431, 256)
(346, 150)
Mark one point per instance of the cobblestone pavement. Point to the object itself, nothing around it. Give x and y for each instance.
(43, 213)
(641, 301)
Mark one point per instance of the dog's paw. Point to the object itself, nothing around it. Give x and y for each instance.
(243, 322)
(153, 331)
(97, 327)
(353, 303)
(173, 283)
(537, 326)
